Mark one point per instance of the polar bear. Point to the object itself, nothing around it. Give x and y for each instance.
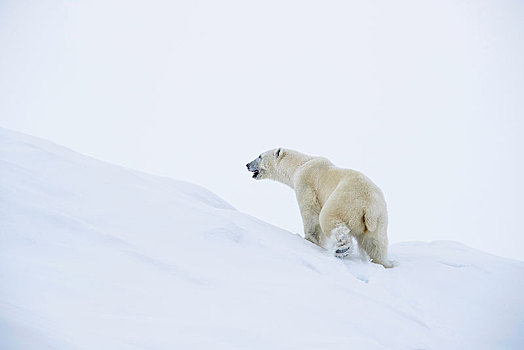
(336, 204)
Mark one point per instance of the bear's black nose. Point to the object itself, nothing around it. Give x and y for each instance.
(247, 165)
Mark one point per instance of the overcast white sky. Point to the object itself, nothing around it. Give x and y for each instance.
(425, 97)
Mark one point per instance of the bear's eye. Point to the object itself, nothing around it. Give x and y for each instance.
(277, 153)
(260, 157)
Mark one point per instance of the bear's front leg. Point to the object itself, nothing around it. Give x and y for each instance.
(309, 210)
(312, 230)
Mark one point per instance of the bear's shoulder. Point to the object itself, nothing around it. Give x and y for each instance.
(316, 163)
(312, 169)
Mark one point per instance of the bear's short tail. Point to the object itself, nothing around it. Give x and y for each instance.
(370, 219)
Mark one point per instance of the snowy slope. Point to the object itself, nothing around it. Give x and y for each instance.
(95, 256)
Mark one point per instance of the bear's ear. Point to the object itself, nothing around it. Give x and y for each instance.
(278, 152)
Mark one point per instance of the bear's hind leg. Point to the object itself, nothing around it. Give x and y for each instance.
(336, 231)
(343, 243)
(375, 248)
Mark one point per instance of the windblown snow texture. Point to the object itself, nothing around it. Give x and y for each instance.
(97, 256)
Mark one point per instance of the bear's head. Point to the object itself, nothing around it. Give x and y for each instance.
(265, 165)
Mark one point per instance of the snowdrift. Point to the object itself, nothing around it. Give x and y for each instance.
(97, 256)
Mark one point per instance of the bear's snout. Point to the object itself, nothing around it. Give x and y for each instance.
(253, 167)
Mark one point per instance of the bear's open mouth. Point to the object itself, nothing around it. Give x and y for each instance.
(255, 174)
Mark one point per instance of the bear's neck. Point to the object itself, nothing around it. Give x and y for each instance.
(289, 165)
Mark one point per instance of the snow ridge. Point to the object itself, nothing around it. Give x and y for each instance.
(94, 255)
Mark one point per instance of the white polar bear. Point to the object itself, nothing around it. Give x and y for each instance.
(334, 203)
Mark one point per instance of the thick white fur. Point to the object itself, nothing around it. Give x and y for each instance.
(330, 198)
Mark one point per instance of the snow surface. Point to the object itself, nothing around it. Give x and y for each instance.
(97, 256)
